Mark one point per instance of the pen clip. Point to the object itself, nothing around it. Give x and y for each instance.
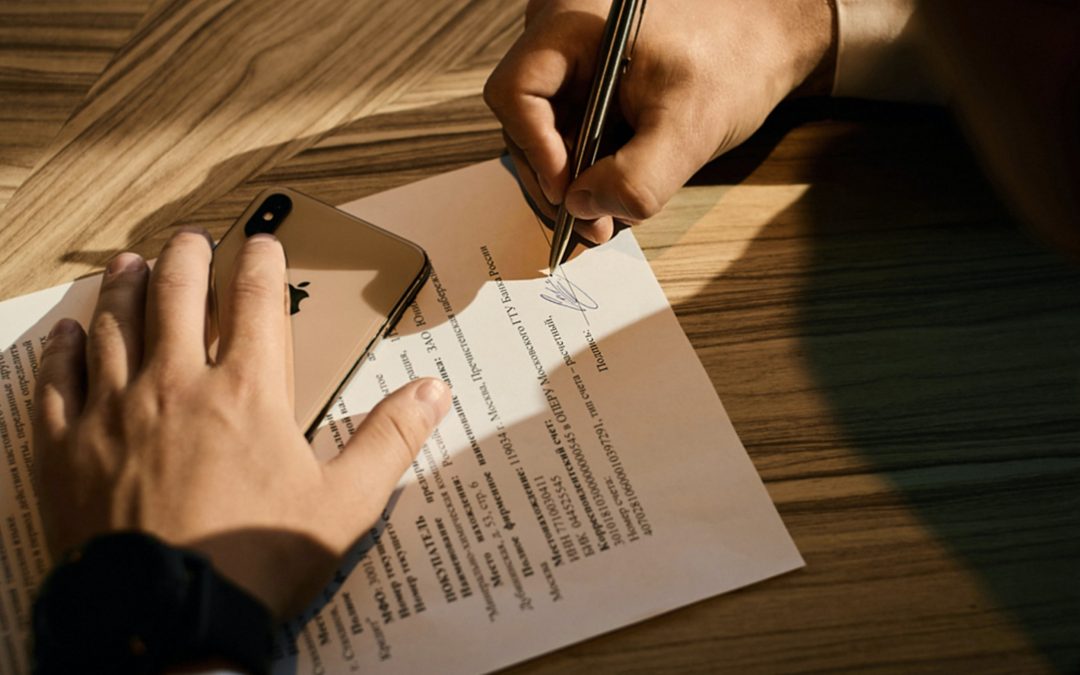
(637, 31)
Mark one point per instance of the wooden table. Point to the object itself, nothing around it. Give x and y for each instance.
(901, 361)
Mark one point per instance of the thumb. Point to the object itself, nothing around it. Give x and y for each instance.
(386, 442)
(639, 179)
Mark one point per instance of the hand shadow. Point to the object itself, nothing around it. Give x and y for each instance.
(943, 341)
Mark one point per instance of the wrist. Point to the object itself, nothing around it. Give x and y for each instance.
(813, 27)
(254, 561)
(879, 52)
(128, 602)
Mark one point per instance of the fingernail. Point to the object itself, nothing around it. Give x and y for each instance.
(191, 229)
(435, 395)
(582, 204)
(124, 262)
(63, 327)
(265, 238)
(262, 236)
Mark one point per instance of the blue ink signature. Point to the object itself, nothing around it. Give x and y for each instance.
(565, 293)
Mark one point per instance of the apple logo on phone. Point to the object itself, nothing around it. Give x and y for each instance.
(297, 294)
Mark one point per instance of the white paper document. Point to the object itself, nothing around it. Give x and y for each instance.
(586, 477)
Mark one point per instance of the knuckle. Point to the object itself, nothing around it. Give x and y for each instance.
(245, 389)
(400, 436)
(145, 403)
(403, 450)
(107, 366)
(495, 90)
(173, 280)
(255, 289)
(163, 382)
(639, 200)
(57, 345)
(107, 327)
(46, 381)
(47, 413)
(96, 439)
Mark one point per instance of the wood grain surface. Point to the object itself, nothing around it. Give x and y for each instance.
(206, 93)
(51, 53)
(901, 360)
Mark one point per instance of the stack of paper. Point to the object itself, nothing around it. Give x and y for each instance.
(587, 476)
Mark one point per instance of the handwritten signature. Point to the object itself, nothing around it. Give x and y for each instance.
(565, 293)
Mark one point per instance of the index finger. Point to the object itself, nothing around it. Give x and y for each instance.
(520, 92)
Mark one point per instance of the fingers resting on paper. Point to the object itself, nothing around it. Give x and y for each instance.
(136, 430)
(388, 439)
(114, 346)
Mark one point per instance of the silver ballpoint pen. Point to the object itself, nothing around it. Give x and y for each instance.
(612, 61)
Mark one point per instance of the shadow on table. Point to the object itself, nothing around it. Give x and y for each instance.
(950, 359)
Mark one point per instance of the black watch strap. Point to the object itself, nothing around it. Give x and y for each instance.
(232, 624)
(129, 603)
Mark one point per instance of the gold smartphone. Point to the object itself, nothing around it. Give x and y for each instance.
(349, 283)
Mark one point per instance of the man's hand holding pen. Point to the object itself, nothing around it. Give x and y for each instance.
(705, 75)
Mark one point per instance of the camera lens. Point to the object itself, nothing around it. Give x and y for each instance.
(269, 215)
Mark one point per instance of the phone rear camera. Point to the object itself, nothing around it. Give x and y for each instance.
(270, 214)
